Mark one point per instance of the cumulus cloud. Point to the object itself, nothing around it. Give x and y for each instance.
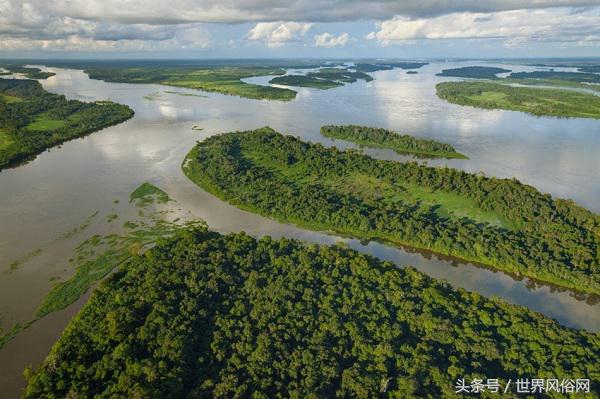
(276, 34)
(516, 25)
(328, 40)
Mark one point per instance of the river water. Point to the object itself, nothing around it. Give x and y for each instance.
(57, 191)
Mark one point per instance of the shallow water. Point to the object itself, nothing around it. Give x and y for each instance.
(62, 187)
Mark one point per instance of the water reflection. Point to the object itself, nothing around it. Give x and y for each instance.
(63, 186)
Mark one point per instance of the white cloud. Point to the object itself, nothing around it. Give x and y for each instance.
(516, 26)
(276, 34)
(328, 40)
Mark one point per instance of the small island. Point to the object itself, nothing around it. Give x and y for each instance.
(500, 223)
(28, 72)
(205, 315)
(305, 81)
(33, 120)
(535, 101)
(383, 138)
(476, 72)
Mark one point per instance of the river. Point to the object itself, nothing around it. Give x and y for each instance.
(62, 187)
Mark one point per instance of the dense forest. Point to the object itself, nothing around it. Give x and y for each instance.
(479, 72)
(497, 222)
(29, 72)
(220, 79)
(305, 81)
(324, 78)
(383, 138)
(33, 120)
(536, 101)
(204, 315)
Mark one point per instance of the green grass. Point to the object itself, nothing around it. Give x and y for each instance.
(44, 123)
(5, 140)
(536, 101)
(8, 99)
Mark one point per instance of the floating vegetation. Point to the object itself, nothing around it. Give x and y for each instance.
(185, 94)
(14, 266)
(152, 96)
(147, 194)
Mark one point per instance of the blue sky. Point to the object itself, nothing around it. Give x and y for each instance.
(299, 28)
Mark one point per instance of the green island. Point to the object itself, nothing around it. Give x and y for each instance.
(324, 78)
(29, 72)
(305, 81)
(536, 101)
(386, 66)
(500, 223)
(478, 72)
(204, 315)
(578, 77)
(383, 138)
(33, 120)
(220, 79)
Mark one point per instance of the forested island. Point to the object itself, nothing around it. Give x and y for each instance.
(29, 72)
(498, 222)
(383, 138)
(305, 81)
(477, 72)
(220, 79)
(33, 120)
(536, 101)
(386, 66)
(207, 315)
(578, 77)
(324, 78)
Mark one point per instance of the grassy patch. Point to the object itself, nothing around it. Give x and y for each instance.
(5, 98)
(5, 139)
(44, 123)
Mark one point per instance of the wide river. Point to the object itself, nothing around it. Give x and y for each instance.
(43, 199)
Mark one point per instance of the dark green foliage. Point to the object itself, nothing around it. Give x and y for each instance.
(40, 120)
(366, 67)
(205, 315)
(305, 81)
(553, 75)
(30, 72)
(552, 240)
(479, 72)
(401, 143)
(536, 101)
(324, 78)
(340, 75)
